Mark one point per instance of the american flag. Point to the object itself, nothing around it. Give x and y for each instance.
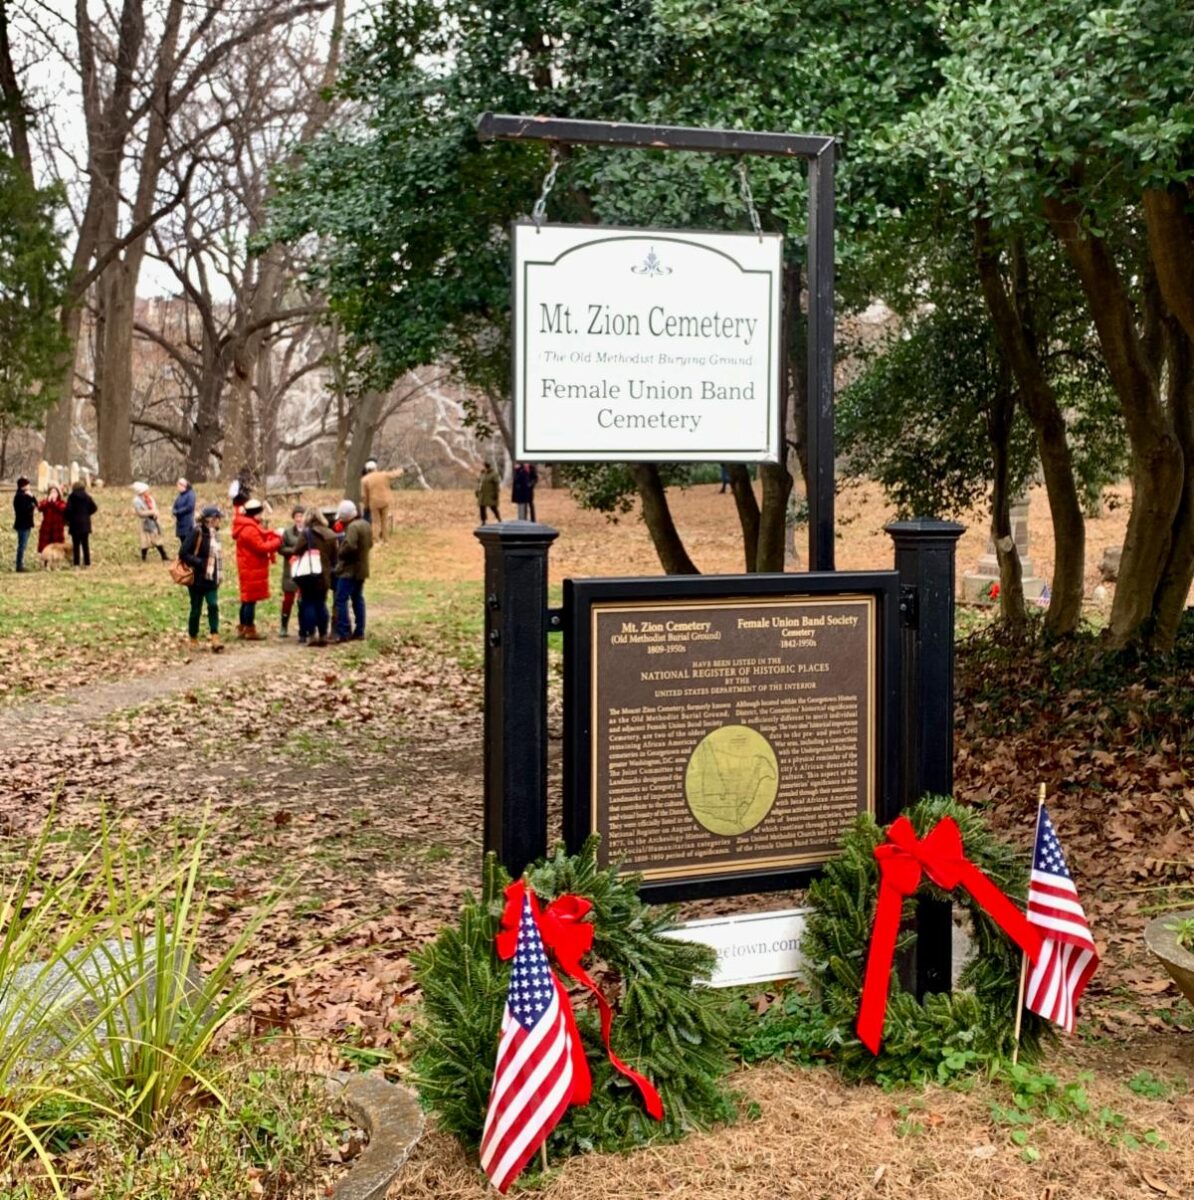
(1068, 956)
(532, 1079)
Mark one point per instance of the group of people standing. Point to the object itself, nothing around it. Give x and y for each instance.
(58, 517)
(322, 555)
(522, 491)
(317, 559)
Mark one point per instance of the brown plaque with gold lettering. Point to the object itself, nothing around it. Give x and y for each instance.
(734, 734)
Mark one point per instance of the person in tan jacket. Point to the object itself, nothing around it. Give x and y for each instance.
(376, 495)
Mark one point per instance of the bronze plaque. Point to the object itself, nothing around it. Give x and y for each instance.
(732, 735)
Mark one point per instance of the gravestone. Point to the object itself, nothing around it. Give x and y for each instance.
(1109, 567)
(43, 476)
(74, 473)
(976, 585)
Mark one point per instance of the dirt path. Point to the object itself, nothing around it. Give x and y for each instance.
(86, 706)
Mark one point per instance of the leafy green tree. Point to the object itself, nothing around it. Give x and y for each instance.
(1064, 119)
(412, 210)
(32, 281)
(937, 416)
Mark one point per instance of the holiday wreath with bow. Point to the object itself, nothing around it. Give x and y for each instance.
(656, 1046)
(937, 848)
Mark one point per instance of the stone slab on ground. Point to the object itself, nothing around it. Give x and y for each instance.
(105, 986)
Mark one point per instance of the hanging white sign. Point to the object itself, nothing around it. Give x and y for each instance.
(646, 345)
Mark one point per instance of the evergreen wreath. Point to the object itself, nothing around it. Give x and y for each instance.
(677, 1034)
(950, 1033)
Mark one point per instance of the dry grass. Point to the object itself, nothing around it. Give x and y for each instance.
(589, 544)
(818, 1138)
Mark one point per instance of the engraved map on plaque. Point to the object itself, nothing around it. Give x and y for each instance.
(732, 735)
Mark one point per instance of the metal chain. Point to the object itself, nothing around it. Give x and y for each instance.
(539, 212)
(748, 198)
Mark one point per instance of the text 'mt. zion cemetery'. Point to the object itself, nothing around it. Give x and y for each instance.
(640, 344)
(721, 733)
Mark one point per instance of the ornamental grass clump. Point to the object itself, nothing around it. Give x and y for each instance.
(47, 926)
(148, 1052)
(666, 1026)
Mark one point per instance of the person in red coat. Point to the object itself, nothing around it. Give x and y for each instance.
(53, 520)
(255, 550)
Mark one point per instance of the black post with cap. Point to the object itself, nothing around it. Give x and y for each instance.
(925, 553)
(516, 626)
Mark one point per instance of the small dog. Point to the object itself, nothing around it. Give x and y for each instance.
(56, 554)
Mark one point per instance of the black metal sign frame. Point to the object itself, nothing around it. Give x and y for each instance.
(820, 153)
(580, 596)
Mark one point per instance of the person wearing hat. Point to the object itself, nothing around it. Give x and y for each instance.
(376, 494)
(255, 550)
(291, 537)
(24, 505)
(311, 570)
(145, 506)
(201, 552)
(351, 570)
(184, 511)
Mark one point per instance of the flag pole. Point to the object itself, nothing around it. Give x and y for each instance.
(1040, 804)
(543, 1152)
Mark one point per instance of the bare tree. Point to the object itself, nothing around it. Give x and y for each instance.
(139, 69)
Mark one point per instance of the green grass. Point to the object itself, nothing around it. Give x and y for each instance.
(278, 1128)
(447, 617)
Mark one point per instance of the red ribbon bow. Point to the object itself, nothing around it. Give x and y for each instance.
(902, 860)
(569, 938)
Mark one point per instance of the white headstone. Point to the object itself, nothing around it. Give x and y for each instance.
(74, 473)
(43, 476)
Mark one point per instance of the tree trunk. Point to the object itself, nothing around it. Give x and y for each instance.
(1157, 466)
(496, 405)
(1171, 248)
(113, 407)
(748, 513)
(60, 419)
(773, 516)
(365, 414)
(1174, 588)
(775, 478)
(1017, 345)
(658, 518)
(339, 470)
(796, 396)
(1011, 575)
(206, 431)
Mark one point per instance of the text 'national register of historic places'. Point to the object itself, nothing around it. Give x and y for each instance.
(732, 734)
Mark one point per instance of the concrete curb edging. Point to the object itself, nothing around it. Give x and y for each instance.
(391, 1116)
(1178, 961)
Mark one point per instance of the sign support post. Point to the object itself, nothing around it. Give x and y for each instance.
(516, 624)
(924, 557)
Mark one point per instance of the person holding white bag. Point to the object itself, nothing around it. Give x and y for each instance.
(311, 566)
(291, 537)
